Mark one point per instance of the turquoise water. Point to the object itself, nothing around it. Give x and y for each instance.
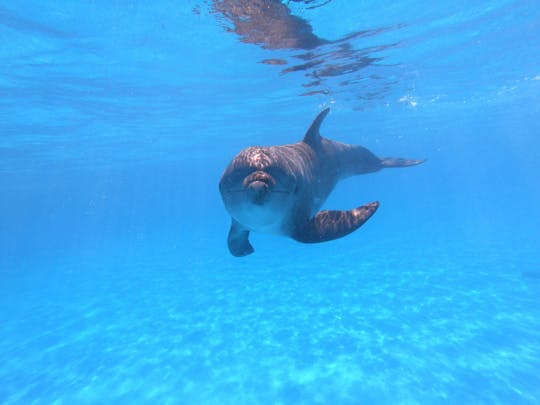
(116, 122)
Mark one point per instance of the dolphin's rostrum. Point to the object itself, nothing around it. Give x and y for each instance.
(279, 189)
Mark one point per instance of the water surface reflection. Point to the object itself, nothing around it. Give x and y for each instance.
(272, 25)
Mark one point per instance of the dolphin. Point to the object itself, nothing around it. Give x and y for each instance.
(279, 189)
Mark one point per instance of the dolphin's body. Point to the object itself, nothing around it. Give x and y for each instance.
(279, 189)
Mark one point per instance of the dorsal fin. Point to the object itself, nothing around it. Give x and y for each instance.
(313, 137)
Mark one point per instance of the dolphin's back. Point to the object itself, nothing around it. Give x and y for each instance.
(349, 160)
(317, 172)
(314, 182)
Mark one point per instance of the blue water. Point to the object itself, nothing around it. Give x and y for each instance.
(116, 122)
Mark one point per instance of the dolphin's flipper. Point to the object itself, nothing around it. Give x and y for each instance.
(329, 225)
(238, 241)
(400, 162)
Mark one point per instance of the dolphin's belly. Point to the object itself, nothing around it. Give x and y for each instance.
(260, 218)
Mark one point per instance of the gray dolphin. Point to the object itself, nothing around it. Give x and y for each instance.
(279, 189)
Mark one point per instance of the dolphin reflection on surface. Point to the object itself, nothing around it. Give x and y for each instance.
(268, 23)
(271, 25)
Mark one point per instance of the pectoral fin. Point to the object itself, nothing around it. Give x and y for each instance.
(238, 241)
(400, 162)
(330, 225)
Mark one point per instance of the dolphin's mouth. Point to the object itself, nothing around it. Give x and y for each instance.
(258, 191)
(258, 186)
(255, 178)
(243, 190)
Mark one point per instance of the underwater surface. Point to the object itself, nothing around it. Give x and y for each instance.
(117, 120)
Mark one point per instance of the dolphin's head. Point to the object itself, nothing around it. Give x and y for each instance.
(258, 189)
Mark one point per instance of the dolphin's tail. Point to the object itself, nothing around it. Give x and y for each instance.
(400, 162)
